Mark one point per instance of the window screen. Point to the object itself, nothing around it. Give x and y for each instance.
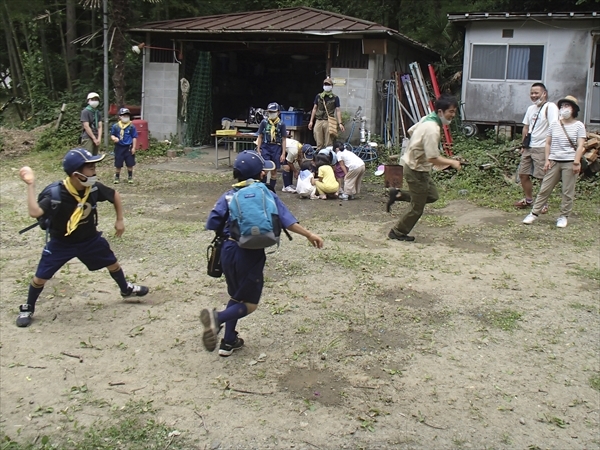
(507, 62)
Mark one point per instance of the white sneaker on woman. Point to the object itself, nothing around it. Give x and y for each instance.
(561, 222)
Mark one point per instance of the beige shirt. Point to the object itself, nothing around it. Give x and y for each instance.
(424, 144)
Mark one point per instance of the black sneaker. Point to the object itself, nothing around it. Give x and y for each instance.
(392, 198)
(135, 290)
(400, 237)
(210, 321)
(227, 349)
(25, 315)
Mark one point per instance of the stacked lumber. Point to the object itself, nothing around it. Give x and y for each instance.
(592, 147)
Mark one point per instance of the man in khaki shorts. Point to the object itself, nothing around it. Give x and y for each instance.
(537, 119)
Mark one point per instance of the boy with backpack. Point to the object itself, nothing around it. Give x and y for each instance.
(68, 211)
(249, 217)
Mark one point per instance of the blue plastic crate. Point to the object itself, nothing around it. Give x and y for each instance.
(292, 118)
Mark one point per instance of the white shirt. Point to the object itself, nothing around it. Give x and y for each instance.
(304, 185)
(351, 160)
(549, 114)
(291, 149)
(560, 148)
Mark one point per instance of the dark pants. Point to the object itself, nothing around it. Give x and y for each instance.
(421, 191)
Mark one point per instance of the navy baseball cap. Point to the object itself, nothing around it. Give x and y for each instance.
(308, 151)
(249, 164)
(77, 157)
(273, 107)
(124, 111)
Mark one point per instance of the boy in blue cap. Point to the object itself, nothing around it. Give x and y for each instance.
(72, 231)
(124, 135)
(271, 141)
(243, 268)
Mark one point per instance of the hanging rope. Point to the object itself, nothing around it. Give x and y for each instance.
(185, 89)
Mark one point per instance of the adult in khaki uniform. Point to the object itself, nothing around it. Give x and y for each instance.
(422, 154)
(326, 104)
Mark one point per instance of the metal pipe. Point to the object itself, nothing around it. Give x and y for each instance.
(105, 29)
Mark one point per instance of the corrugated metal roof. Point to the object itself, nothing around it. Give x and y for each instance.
(301, 20)
(475, 16)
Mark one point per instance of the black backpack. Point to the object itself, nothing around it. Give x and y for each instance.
(45, 220)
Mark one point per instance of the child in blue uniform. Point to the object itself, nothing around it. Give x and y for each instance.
(124, 135)
(73, 232)
(243, 268)
(271, 141)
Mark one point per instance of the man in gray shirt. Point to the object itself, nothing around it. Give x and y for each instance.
(91, 120)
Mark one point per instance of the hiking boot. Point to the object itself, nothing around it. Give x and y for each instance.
(135, 290)
(226, 349)
(392, 198)
(400, 237)
(529, 219)
(561, 222)
(130, 180)
(116, 181)
(25, 315)
(210, 321)
(523, 203)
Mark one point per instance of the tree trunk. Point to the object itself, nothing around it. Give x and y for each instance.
(46, 59)
(71, 36)
(120, 10)
(64, 54)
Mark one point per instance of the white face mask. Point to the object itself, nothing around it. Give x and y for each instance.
(89, 181)
(94, 103)
(273, 115)
(538, 102)
(125, 119)
(327, 88)
(565, 113)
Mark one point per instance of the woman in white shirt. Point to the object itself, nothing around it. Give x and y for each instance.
(564, 150)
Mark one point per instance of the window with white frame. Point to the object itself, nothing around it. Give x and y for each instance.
(507, 62)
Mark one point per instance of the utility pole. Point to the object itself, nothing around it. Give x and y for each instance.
(105, 27)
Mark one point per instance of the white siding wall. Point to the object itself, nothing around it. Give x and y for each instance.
(160, 98)
(567, 56)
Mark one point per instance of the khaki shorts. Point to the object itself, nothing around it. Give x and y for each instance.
(532, 162)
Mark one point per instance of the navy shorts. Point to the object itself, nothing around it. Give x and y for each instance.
(95, 253)
(243, 271)
(123, 154)
(271, 152)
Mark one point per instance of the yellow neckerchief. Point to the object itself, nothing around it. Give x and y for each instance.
(78, 213)
(122, 126)
(274, 128)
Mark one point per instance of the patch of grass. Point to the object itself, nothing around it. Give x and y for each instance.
(438, 221)
(133, 427)
(352, 260)
(505, 320)
(588, 273)
(595, 381)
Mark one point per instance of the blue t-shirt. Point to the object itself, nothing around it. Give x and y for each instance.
(221, 208)
(126, 135)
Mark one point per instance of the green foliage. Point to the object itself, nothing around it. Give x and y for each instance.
(67, 135)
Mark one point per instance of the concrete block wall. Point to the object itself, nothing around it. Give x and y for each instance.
(160, 99)
(360, 90)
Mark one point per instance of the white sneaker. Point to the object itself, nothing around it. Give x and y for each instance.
(529, 219)
(561, 222)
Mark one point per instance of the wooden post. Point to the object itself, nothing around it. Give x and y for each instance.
(60, 116)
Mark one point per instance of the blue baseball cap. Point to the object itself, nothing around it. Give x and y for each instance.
(77, 157)
(308, 151)
(124, 111)
(273, 107)
(249, 164)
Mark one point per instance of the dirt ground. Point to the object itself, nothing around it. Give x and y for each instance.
(483, 333)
